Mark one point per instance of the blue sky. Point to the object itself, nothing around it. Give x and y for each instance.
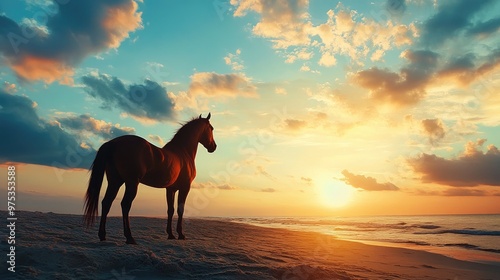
(348, 107)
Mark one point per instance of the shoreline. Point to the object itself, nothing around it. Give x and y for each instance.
(57, 245)
(471, 255)
(474, 256)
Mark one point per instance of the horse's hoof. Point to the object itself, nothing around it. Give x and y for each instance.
(131, 241)
(182, 237)
(171, 237)
(102, 238)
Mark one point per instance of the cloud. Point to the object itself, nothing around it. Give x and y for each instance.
(464, 192)
(461, 24)
(306, 68)
(387, 86)
(434, 129)
(327, 59)
(468, 68)
(261, 171)
(298, 53)
(86, 124)
(404, 88)
(452, 19)
(148, 101)
(366, 183)
(27, 138)
(307, 180)
(351, 34)
(185, 100)
(458, 192)
(78, 29)
(462, 62)
(9, 87)
(225, 187)
(293, 124)
(485, 28)
(234, 60)
(424, 69)
(157, 139)
(473, 168)
(268, 190)
(396, 7)
(228, 85)
(280, 91)
(285, 23)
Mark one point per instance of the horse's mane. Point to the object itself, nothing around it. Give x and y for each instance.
(181, 133)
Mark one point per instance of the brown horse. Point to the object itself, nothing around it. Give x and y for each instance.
(132, 160)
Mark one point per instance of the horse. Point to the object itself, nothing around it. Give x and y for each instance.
(132, 160)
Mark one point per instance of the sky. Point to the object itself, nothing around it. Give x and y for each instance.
(320, 108)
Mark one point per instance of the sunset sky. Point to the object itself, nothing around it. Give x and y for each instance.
(320, 108)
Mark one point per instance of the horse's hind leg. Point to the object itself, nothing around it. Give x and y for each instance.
(128, 197)
(111, 192)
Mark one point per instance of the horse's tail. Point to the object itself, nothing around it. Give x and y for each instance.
(92, 196)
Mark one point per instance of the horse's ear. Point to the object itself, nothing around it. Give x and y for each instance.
(199, 117)
(209, 115)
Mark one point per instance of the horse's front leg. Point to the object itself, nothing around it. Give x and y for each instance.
(170, 193)
(181, 201)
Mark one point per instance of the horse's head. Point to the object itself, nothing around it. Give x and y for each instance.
(207, 136)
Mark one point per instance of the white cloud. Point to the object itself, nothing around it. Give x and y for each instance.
(280, 90)
(229, 85)
(327, 60)
(234, 60)
(9, 87)
(287, 25)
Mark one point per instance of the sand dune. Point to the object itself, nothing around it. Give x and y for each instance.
(54, 246)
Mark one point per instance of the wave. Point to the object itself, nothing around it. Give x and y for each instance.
(427, 226)
(464, 232)
(470, 246)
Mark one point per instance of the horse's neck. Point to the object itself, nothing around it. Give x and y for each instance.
(183, 148)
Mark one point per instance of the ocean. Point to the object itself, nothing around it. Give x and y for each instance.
(466, 237)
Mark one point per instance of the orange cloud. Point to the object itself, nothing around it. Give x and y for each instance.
(293, 124)
(367, 183)
(32, 68)
(120, 21)
(213, 84)
(284, 22)
(434, 129)
(474, 167)
(403, 88)
(345, 33)
(78, 29)
(463, 70)
(85, 125)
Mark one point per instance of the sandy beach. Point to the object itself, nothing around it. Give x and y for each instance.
(55, 246)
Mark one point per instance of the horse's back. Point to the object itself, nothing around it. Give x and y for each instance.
(132, 155)
(135, 158)
(129, 139)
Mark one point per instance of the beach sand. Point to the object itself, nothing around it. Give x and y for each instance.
(55, 246)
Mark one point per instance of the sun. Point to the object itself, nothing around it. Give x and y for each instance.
(335, 193)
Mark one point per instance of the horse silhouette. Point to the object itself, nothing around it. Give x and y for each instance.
(132, 160)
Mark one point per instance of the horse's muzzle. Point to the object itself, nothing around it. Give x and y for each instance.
(212, 148)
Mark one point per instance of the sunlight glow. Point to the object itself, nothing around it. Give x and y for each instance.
(335, 193)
